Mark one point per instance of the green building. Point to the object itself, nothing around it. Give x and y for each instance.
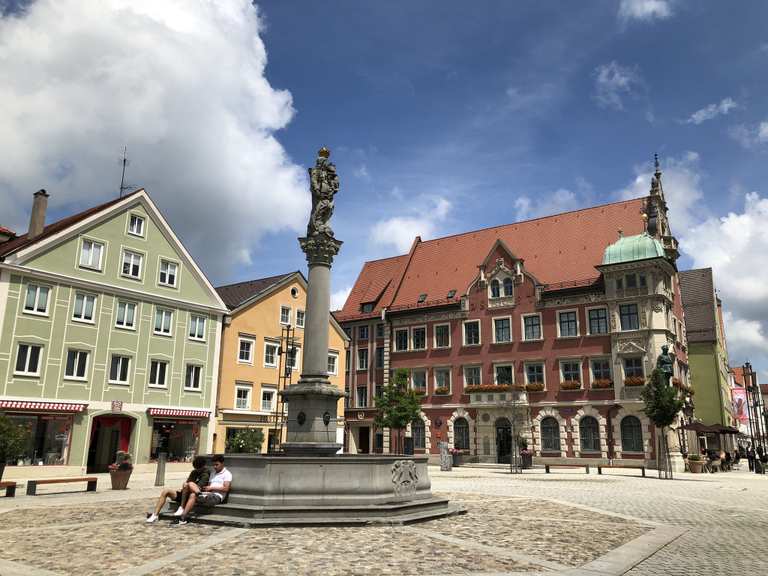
(110, 339)
(707, 351)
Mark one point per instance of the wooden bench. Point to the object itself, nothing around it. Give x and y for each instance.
(10, 488)
(32, 484)
(630, 467)
(548, 466)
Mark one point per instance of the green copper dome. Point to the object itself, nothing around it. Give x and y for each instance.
(627, 249)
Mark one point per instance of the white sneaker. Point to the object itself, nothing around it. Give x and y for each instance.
(152, 518)
(179, 511)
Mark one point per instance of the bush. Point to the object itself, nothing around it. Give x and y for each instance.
(246, 441)
(13, 440)
(694, 458)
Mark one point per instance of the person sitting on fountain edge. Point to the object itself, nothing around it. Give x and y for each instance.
(215, 492)
(197, 478)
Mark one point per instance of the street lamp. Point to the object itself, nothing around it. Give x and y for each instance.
(756, 432)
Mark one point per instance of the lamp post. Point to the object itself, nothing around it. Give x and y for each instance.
(753, 410)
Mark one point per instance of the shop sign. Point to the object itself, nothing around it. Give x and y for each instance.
(117, 405)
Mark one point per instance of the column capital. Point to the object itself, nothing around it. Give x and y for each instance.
(320, 249)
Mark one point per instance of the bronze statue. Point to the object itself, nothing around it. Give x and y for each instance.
(324, 184)
(665, 363)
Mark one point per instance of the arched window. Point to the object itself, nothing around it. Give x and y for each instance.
(507, 286)
(589, 432)
(550, 435)
(417, 433)
(631, 434)
(495, 289)
(461, 434)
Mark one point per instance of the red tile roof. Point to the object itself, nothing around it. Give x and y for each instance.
(738, 376)
(563, 248)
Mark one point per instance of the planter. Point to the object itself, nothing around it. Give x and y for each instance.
(634, 381)
(535, 387)
(457, 459)
(119, 479)
(602, 384)
(695, 466)
(570, 385)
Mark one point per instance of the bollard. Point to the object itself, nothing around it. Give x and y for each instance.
(160, 474)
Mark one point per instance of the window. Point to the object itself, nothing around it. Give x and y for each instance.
(132, 262)
(348, 332)
(126, 315)
(136, 225)
(442, 380)
(532, 327)
(77, 364)
(401, 339)
(422, 298)
(633, 367)
(550, 435)
(495, 289)
(502, 330)
(158, 369)
(362, 359)
(84, 307)
(379, 330)
(285, 315)
(571, 371)
(268, 396)
(631, 434)
(168, 273)
(629, 317)
(242, 397)
(362, 396)
(90, 254)
(367, 308)
(300, 314)
(347, 361)
(589, 434)
(419, 338)
(642, 281)
(118, 369)
(568, 324)
(461, 434)
(534, 373)
(451, 294)
(380, 357)
(508, 284)
(419, 380)
(472, 333)
(601, 369)
(362, 332)
(245, 350)
(472, 376)
(598, 320)
(36, 301)
(503, 374)
(333, 363)
(28, 359)
(619, 284)
(443, 336)
(418, 434)
(196, 327)
(163, 321)
(192, 378)
(631, 281)
(270, 354)
(292, 357)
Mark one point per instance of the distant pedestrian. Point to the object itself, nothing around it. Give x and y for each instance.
(751, 458)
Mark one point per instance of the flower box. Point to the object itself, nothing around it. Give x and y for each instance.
(535, 387)
(420, 392)
(487, 388)
(442, 390)
(634, 381)
(570, 385)
(602, 384)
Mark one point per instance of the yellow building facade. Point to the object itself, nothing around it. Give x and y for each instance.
(253, 358)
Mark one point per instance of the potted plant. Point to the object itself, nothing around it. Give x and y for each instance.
(456, 456)
(120, 471)
(441, 390)
(535, 387)
(570, 385)
(13, 442)
(602, 384)
(634, 381)
(246, 441)
(695, 463)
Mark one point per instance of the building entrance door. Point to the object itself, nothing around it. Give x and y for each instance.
(503, 440)
(108, 435)
(364, 440)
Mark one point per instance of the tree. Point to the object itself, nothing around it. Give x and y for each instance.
(13, 441)
(662, 405)
(397, 406)
(246, 441)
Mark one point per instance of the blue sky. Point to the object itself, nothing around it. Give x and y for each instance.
(441, 117)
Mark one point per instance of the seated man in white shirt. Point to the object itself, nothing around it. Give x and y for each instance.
(215, 492)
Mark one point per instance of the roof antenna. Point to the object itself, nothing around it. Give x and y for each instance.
(125, 162)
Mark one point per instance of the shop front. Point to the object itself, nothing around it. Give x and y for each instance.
(178, 433)
(110, 434)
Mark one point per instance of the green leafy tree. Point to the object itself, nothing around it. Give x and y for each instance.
(13, 440)
(662, 405)
(246, 441)
(397, 406)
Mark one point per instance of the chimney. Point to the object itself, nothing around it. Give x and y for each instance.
(37, 218)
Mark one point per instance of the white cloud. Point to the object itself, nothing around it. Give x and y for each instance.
(532, 98)
(339, 297)
(644, 10)
(362, 172)
(614, 81)
(750, 136)
(182, 83)
(560, 200)
(712, 111)
(427, 214)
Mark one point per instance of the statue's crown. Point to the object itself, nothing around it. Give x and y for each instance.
(324, 152)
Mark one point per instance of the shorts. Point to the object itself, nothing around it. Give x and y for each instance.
(208, 499)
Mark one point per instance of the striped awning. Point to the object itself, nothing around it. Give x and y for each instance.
(178, 413)
(41, 406)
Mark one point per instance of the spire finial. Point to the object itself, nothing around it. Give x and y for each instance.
(656, 165)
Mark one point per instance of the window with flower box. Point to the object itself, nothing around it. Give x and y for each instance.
(472, 376)
(570, 374)
(503, 374)
(442, 380)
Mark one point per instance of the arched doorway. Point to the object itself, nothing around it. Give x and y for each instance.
(503, 440)
(109, 433)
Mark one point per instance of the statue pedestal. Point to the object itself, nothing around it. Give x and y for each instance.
(312, 406)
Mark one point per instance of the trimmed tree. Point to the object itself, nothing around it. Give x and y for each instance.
(13, 441)
(662, 405)
(246, 441)
(397, 406)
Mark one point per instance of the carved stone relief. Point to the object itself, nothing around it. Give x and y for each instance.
(404, 477)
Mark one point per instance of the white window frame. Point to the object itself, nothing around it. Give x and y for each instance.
(426, 378)
(589, 326)
(297, 359)
(196, 319)
(90, 265)
(163, 311)
(359, 368)
(479, 332)
(175, 274)
(303, 317)
(273, 392)
(407, 340)
(541, 363)
(379, 329)
(127, 380)
(81, 319)
(249, 398)
(522, 327)
(435, 370)
(159, 361)
(290, 310)
(38, 288)
(360, 332)
(434, 336)
(335, 356)
(578, 324)
(591, 370)
(133, 254)
(464, 374)
(412, 346)
(252, 342)
(200, 375)
(511, 365)
(142, 219)
(87, 365)
(493, 323)
(578, 361)
(117, 315)
(26, 371)
(639, 314)
(267, 343)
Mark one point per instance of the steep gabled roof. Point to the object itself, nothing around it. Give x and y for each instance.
(235, 295)
(697, 288)
(563, 248)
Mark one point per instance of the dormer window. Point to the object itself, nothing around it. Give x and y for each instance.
(451, 294)
(422, 298)
(367, 308)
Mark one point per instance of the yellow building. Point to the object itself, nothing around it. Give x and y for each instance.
(251, 356)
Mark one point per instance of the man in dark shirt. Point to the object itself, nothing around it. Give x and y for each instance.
(195, 481)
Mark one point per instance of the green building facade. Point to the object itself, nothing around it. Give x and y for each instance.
(110, 339)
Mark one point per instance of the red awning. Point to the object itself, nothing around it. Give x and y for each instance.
(177, 413)
(41, 406)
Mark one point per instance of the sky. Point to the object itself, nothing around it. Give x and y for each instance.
(442, 117)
